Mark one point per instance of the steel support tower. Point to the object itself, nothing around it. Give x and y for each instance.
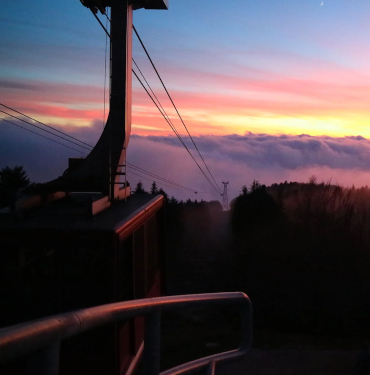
(225, 198)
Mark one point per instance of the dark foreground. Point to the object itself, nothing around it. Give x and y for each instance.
(202, 257)
(299, 361)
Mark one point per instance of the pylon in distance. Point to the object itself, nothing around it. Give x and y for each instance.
(225, 199)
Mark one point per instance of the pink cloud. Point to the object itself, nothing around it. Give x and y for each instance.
(322, 103)
(330, 83)
(66, 101)
(327, 90)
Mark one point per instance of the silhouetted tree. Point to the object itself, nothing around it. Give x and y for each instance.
(12, 180)
(140, 188)
(244, 190)
(255, 186)
(312, 180)
(154, 188)
(165, 195)
(173, 201)
(253, 208)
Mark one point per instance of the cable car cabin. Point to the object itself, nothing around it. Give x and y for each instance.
(60, 257)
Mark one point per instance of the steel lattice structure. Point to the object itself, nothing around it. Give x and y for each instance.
(225, 198)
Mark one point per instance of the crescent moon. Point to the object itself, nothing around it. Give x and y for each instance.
(322, 3)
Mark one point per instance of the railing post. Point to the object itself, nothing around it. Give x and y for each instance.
(211, 368)
(152, 340)
(45, 361)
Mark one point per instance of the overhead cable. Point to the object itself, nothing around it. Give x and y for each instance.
(47, 131)
(165, 180)
(151, 61)
(130, 165)
(41, 123)
(43, 136)
(151, 90)
(159, 109)
(101, 24)
(156, 176)
(147, 178)
(169, 96)
(177, 134)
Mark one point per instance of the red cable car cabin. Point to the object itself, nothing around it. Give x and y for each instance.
(59, 257)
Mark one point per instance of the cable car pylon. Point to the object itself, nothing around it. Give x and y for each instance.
(225, 198)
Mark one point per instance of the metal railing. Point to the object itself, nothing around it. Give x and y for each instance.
(41, 339)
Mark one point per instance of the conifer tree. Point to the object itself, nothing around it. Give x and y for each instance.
(165, 195)
(12, 180)
(154, 188)
(140, 188)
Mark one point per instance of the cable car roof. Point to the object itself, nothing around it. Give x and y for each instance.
(137, 4)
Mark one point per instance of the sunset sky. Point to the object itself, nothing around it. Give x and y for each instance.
(272, 89)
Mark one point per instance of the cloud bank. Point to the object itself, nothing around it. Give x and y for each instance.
(284, 152)
(268, 158)
(235, 158)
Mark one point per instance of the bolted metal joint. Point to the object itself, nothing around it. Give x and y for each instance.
(94, 5)
(150, 4)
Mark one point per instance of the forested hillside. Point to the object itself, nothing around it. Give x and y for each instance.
(299, 250)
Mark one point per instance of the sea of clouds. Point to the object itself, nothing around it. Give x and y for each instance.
(235, 158)
(268, 158)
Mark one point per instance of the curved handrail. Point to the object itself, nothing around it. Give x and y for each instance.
(29, 337)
